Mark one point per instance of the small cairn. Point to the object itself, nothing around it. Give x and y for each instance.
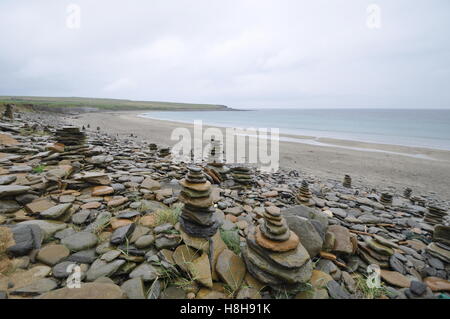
(440, 247)
(164, 152)
(435, 215)
(9, 113)
(407, 193)
(274, 255)
(70, 136)
(386, 199)
(304, 196)
(242, 175)
(197, 217)
(347, 181)
(153, 147)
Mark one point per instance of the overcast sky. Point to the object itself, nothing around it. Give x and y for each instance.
(241, 53)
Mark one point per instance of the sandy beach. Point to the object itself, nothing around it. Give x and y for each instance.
(426, 171)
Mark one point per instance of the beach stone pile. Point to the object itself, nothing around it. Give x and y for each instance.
(386, 199)
(440, 247)
(304, 195)
(407, 193)
(435, 215)
(242, 175)
(9, 113)
(71, 136)
(274, 254)
(128, 219)
(347, 181)
(197, 217)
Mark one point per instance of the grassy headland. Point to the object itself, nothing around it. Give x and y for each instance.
(95, 104)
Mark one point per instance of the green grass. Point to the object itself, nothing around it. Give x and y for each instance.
(167, 216)
(232, 240)
(368, 292)
(39, 169)
(104, 104)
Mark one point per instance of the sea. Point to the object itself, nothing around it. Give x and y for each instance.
(414, 127)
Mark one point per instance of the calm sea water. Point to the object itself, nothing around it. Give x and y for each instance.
(423, 128)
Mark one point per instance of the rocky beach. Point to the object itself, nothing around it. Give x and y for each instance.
(93, 207)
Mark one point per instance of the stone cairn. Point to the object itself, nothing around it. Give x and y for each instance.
(304, 196)
(407, 193)
(242, 175)
(386, 199)
(440, 247)
(435, 215)
(197, 217)
(347, 181)
(9, 113)
(274, 255)
(164, 152)
(70, 136)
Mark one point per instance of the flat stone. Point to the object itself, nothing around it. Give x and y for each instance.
(145, 241)
(8, 179)
(145, 271)
(52, 254)
(80, 241)
(56, 211)
(134, 288)
(25, 239)
(9, 206)
(342, 243)
(201, 187)
(12, 190)
(86, 291)
(81, 217)
(184, 255)
(39, 206)
(101, 268)
(37, 287)
(231, 269)
(287, 245)
(200, 269)
(102, 190)
(395, 278)
(306, 232)
(437, 284)
(150, 184)
(49, 228)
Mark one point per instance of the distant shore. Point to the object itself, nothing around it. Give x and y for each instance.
(427, 171)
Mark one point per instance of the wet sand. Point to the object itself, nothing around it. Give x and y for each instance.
(426, 171)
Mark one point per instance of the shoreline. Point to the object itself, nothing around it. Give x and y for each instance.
(423, 169)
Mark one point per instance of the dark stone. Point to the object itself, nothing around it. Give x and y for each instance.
(397, 265)
(121, 234)
(83, 257)
(128, 215)
(195, 230)
(27, 238)
(418, 288)
(336, 291)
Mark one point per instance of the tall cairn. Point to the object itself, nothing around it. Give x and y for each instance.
(197, 217)
(347, 181)
(304, 196)
(274, 255)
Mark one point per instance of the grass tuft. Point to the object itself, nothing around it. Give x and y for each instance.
(232, 239)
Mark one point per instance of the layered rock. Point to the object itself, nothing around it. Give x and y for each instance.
(274, 255)
(304, 196)
(440, 247)
(347, 181)
(197, 218)
(70, 136)
(435, 215)
(242, 175)
(386, 199)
